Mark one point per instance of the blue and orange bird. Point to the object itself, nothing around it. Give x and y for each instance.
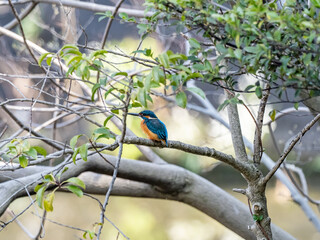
(152, 126)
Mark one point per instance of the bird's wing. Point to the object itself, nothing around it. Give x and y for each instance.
(158, 127)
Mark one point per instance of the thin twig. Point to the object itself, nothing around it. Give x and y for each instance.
(115, 171)
(95, 148)
(24, 13)
(51, 143)
(22, 31)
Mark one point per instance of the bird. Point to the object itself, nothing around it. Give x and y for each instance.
(152, 126)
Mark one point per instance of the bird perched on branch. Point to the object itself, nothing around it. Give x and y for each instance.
(152, 126)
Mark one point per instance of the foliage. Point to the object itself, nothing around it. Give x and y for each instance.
(22, 150)
(73, 184)
(278, 45)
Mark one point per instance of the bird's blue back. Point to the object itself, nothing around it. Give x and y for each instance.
(157, 127)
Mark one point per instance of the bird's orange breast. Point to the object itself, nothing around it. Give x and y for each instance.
(151, 135)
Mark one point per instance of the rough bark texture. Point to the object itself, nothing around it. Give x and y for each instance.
(255, 190)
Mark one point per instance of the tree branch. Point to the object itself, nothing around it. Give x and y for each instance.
(152, 180)
(89, 6)
(257, 142)
(289, 148)
(236, 132)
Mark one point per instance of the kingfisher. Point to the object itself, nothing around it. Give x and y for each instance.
(152, 126)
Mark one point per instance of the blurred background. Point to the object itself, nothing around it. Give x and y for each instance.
(51, 26)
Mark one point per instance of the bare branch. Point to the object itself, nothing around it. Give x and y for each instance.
(257, 142)
(22, 15)
(156, 181)
(235, 130)
(90, 6)
(289, 148)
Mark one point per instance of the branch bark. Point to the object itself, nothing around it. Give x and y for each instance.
(143, 179)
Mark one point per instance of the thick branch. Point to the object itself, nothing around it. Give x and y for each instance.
(172, 182)
(89, 6)
(235, 130)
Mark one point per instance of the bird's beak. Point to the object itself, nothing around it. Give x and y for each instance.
(134, 114)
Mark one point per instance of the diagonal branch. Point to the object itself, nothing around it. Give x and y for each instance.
(22, 15)
(22, 31)
(289, 148)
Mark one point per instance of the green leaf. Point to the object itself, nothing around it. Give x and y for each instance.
(258, 92)
(238, 53)
(194, 75)
(194, 43)
(223, 105)
(73, 52)
(164, 60)
(115, 111)
(83, 150)
(74, 140)
(142, 97)
(107, 119)
(181, 99)
(76, 181)
(254, 49)
(105, 133)
(316, 3)
(107, 92)
(61, 172)
(40, 150)
(198, 91)
(39, 195)
(48, 202)
(257, 218)
(70, 70)
(136, 104)
(42, 57)
(90, 233)
(99, 52)
(76, 190)
(199, 67)
(156, 73)
(296, 105)
(49, 178)
(23, 160)
(73, 60)
(69, 46)
(106, 14)
(237, 40)
(74, 155)
(123, 15)
(248, 88)
(26, 145)
(36, 189)
(102, 130)
(49, 61)
(32, 152)
(94, 90)
(103, 81)
(121, 74)
(272, 114)
(174, 57)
